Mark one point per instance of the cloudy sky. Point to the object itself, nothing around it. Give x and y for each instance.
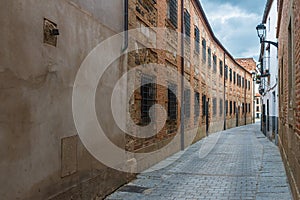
(234, 22)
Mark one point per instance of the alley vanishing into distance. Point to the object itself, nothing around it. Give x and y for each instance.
(243, 164)
(95, 92)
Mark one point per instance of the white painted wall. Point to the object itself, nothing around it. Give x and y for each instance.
(271, 62)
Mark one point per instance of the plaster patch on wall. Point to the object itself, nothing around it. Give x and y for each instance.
(68, 156)
(48, 37)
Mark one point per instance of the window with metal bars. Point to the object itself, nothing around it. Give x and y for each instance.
(221, 67)
(230, 107)
(230, 75)
(221, 107)
(214, 63)
(249, 86)
(243, 83)
(173, 12)
(203, 105)
(197, 105)
(148, 94)
(187, 103)
(214, 106)
(226, 72)
(187, 24)
(172, 102)
(209, 57)
(197, 39)
(226, 107)
(234, 107)
(234, 77)
(204, 50)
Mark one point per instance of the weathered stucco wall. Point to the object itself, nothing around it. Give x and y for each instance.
(36, 82)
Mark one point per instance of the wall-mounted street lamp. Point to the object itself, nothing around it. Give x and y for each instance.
(261, 32)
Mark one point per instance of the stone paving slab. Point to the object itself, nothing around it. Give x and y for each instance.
(239, 163)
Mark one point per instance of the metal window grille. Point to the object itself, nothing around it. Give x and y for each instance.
(234, 107)
(226, 107)
(187, 23)
(243, 83)
(226, 72)
(148, 93)
(187, 103)
(197, 39)
(234, 77)
(172, 102)
(203, 105)
(214, 106)
(249, 86)
(215, 63)
(230, 107)
(173, 12)
(204, 50)
(197, 105)
(221, 67)
(230, 75)
(209, 57)
(221, 107)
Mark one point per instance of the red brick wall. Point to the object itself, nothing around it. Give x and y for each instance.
(207, 82)
(289, 119)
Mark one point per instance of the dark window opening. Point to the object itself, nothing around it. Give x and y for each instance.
(187, 103)
(226, 107)
(204, 50)
(172, 102)
(197, 39)
(215, 63)
(214, 106)
(173, 12)
(148, 93)
(221, 107)
(226, 72)
(209, 57)
(187, 24)
(203, 105)
(234, 77)
(221, 67)
(197, 105)
(234, 107)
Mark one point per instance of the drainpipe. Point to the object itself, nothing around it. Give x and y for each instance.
(125, 25)
(254, 102)
(245, 97)
(224, 96)
(182, 79)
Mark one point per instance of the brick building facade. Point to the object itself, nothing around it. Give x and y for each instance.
(289, 89)
(42, 156)
(208, 66)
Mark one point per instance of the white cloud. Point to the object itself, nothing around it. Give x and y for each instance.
(225, 12)
(234, 26)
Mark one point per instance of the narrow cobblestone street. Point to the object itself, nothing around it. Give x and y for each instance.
(242, 164)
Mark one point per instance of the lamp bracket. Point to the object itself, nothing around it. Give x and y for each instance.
(270, 42)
